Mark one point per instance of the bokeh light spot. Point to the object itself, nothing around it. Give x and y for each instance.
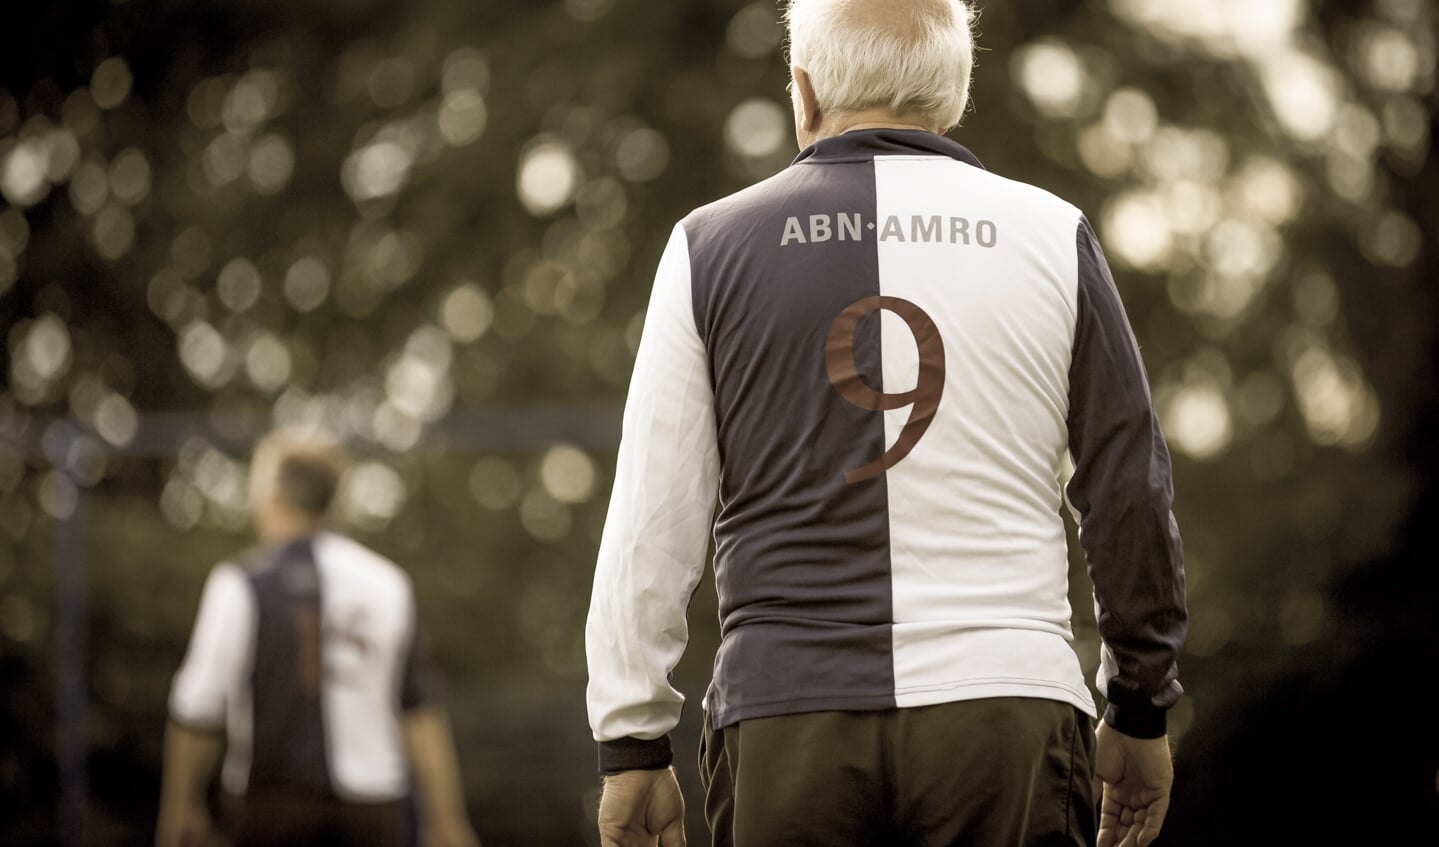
(568, 474)
(548, 177)
(110, 84)
(1137, 230)
(238, 285)
(268, 363)
(116, 420)
(24, 178)
(374, 494)
(18, 619)
(543, 517)
(466, 313)
(1197, 420)
(642, 155)
(204, 352)
(494, 483)
(1392, 238)
(89, 188)
(462, 117)
(588, 10)
(754, 31)
(114, 232)
(46, 349)
(756, 127)
(465, 69)
(1302, 92)
(1051, 75)
(307, 283)
(271, 163)
(1130, 115)
(376, 170)
(58, 495)
(130, 176)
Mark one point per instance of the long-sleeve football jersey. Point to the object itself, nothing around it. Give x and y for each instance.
(863, 377)
(306, 655)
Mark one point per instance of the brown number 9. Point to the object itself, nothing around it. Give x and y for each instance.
(844, 376)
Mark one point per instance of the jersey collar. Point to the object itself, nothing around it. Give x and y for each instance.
(862, 145)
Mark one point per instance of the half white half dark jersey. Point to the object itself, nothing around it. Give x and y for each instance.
(306, 654)
(877, 361)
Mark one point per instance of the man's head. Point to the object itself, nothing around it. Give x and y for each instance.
(901, 62)
(294, 477)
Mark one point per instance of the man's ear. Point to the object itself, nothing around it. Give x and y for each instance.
(807, 112)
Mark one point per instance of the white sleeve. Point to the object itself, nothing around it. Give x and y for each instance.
(219, 652)
(657, 532)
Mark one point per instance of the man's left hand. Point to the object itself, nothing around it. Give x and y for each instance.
(642, 809)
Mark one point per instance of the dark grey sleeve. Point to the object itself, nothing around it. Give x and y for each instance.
(419, 681)
(1121, 493)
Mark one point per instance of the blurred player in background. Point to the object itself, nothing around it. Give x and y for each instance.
(305, 670)
(881, 361)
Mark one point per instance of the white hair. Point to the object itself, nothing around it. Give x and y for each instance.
(909, 56)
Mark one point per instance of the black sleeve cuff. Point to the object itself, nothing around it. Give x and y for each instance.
(1137, 721)
(202, 727)
(635, 754)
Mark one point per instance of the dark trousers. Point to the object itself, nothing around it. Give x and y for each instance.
(1000, 772)
(302, 820)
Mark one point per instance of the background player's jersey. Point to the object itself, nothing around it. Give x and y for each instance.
(306, 654)
(879, 359)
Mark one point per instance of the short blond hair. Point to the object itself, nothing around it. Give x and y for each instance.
(909, 56)
(300, 467)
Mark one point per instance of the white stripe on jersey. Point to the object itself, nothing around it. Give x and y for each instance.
(977, 543)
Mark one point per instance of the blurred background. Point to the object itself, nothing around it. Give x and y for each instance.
(433, 225)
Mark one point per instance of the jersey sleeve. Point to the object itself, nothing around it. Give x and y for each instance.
(657, 531)
(1121, 493)
(219, 652)
(419, 680)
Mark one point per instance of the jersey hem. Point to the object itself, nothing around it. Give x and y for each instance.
(907, 698)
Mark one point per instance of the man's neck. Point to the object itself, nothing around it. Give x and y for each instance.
(283, 530)
(842, 122)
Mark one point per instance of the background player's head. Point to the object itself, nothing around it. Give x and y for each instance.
(295, 475)
(907, 59)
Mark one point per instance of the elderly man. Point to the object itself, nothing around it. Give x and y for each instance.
(881, 360)
(305, 659)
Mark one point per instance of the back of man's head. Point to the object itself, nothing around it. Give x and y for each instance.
(297, 472)
(906, 56)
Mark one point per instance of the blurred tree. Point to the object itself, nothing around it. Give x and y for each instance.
(433, 224)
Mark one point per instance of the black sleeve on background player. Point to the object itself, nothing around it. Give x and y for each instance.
(1122, 490)
(419, 681)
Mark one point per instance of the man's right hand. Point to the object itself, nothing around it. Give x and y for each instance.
(183, 825)
(642, 809)
(1133, 779)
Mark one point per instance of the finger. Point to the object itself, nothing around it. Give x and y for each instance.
(1134, 826)
(1153, 822)
(1108, 821)
(673, 835)
(1129, 837)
